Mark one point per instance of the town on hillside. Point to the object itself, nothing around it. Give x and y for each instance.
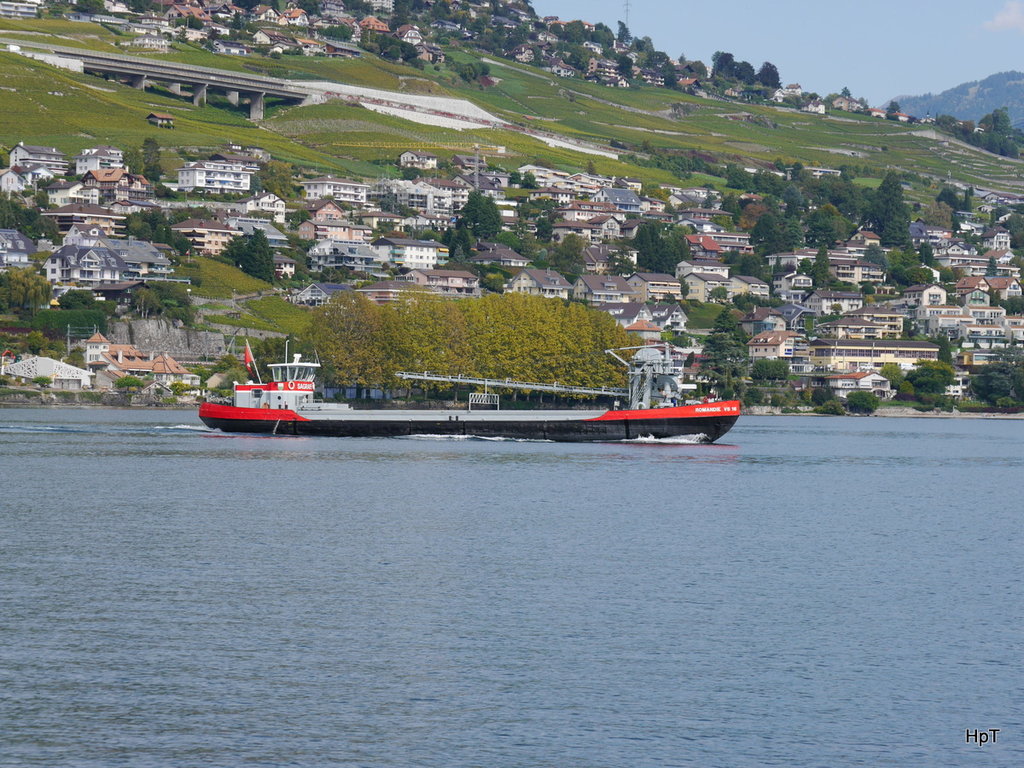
(422, 33)
(785, 284)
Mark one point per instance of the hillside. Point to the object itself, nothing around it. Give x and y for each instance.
(648, 132)
(973, 100)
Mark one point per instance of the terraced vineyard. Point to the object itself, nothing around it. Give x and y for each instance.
(40, 104)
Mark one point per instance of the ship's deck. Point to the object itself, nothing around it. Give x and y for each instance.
(324, 413)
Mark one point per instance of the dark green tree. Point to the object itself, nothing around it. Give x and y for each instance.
(826, 226)
(544, 229)
(769, 370)
(794, 200)
(252, 255)
(819, 269)
(655, 253)
(997, 381)
(567, 256)
(768, 75)
(459, 241)
(931, 377)
(862, 402)
(481, 216)
(723, 64)
(725, 353)
(261, 257)
(875, 255)
(769, 235)
(744, 72)
(131, 383)
(821, 395)
(949, 197)
(151, 160)
(134, 161)
(77, 299)
(888, 214)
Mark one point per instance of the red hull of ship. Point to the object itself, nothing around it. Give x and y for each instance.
(708, 420)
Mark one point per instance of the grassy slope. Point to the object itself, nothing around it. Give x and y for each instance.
(217, 280)
(283, 315)
(72, 111)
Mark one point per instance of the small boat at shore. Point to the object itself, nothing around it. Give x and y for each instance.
(657, 409)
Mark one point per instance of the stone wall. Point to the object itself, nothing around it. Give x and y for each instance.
(164, 337)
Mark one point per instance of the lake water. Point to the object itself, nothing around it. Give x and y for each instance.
(809, 592)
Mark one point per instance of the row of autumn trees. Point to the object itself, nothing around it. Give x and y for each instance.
(527, 338)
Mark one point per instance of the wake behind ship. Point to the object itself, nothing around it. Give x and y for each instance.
(286, 406)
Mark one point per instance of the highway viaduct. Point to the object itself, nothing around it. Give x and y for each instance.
(140, 72)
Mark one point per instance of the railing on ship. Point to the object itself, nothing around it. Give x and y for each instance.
(512, 384)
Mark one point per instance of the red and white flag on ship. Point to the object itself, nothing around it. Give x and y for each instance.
(248, 359)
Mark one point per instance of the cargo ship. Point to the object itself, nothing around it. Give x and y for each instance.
(657, 408)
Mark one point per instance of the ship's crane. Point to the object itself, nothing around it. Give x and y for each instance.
(650, 375)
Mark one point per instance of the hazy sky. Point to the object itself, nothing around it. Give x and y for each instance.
(878, 48)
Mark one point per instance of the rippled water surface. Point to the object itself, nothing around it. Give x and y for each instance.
(809, 592)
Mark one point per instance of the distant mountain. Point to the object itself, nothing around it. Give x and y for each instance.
(972, 101)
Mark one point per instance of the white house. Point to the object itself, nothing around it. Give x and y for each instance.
(422, 160)
(540, 282)
(825, 302)
(84, 265)
(264, 202)
(843, 384)
(11, 182)
(98, 158)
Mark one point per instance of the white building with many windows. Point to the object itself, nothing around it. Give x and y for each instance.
(214, 177)
(19, 9)
(329, 188)
(347, 254)
(28, 155)
(411, 254)
(415, 194)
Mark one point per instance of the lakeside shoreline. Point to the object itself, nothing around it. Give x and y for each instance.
(887, 413)
(756, 410)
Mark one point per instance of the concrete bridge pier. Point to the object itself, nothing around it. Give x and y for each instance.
(256, 106)
(233, 98)
(137, 81)
(174, 88)
(199, 94)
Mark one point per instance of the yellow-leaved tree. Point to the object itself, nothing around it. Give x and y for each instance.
(357, 338)
(498, 336)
